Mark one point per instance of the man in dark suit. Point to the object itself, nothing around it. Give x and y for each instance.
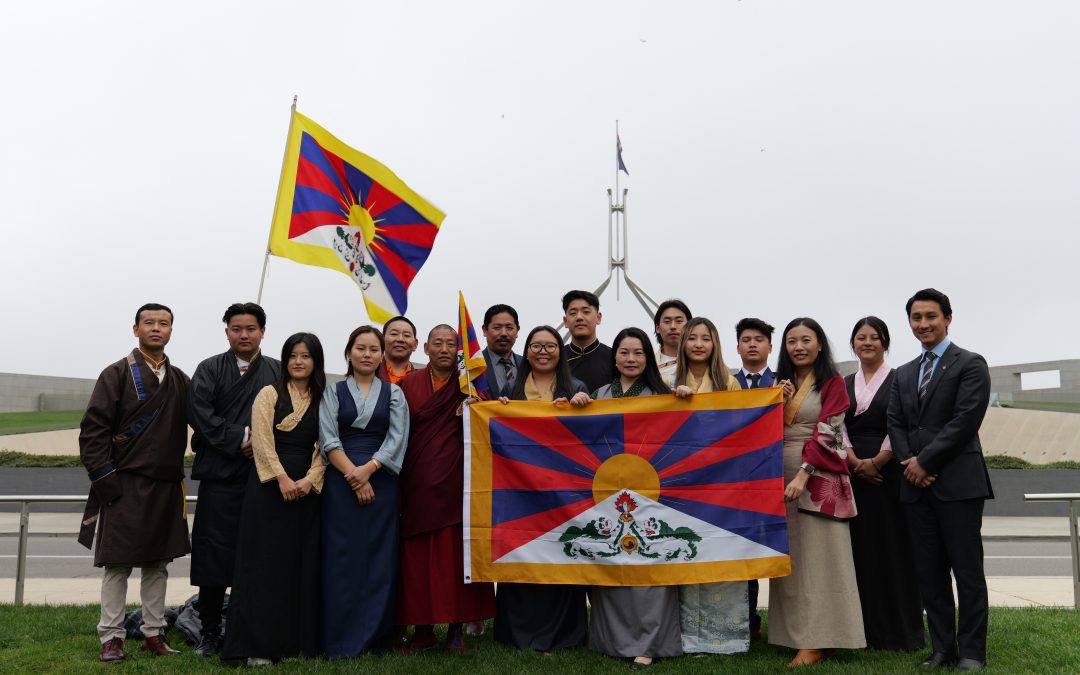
(938, 403)
(501, 330)
(754, 344)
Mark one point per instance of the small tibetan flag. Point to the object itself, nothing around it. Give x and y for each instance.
(338, 208)
(471, 363)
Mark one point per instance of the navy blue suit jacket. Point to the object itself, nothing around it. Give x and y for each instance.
(942, 428)
(768, 378)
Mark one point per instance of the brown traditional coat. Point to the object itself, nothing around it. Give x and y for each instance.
(132, 442)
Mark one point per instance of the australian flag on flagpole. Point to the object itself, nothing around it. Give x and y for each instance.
(618, 154)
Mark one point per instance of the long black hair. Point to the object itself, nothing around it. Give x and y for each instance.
(824, 367)
(564, 381)
(650, 376)
(317, 383)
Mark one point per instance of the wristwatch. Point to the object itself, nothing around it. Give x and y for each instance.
(809, 469)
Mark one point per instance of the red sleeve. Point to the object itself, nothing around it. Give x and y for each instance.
(823, 448)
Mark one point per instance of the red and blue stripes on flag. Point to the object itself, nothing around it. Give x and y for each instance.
(471, 363)
(712, 465)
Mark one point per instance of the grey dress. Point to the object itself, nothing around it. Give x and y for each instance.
(630, 621)
(817, 607)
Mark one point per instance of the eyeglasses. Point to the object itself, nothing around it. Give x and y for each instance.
(549, 348)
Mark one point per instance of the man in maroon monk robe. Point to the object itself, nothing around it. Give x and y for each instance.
(432, 588)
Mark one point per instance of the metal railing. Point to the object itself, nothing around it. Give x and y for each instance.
(24, 529)
(1074, 538)
(26, 500)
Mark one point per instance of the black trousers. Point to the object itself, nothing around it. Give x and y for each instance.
(751, 598)
(210, 604)
(946, 538)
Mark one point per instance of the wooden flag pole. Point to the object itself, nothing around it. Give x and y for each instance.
(281, 178)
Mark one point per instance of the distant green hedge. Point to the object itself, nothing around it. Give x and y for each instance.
(19, 460)
(1006, 462)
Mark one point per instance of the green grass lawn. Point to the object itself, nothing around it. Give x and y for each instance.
(1052, 406)
(28, 422)
(63, 640)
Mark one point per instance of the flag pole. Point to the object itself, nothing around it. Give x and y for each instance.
(616, 159)
(281, 179)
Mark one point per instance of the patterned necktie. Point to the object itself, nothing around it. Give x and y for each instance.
(928, 370)
(508, 369)
(754, 379)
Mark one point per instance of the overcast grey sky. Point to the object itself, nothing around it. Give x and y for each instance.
(856, 151)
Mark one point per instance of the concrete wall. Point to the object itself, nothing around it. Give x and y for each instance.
(30, 393)
(1037, 436)
(1005, 381)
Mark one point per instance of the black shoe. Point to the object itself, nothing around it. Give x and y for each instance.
(938, 660)
(968, 665)
(209, 645)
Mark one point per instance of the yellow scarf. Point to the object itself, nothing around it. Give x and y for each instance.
(792, 409)
(300, 408)
(532, 393)
(702, 387)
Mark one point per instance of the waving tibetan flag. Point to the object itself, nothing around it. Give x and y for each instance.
(627, 492)
(471, 363)
(341, 209)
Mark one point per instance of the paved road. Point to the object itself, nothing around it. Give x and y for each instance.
(1031, 558)
(64, 558)
(61, 558)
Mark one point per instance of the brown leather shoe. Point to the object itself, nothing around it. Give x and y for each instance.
(112, 651)
(156, 645)
(806, 657)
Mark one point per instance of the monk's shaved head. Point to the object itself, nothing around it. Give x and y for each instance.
(441, 350)
(440, 327)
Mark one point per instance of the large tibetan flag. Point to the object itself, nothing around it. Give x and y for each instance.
(338, 208)
(471, 363)
(627, 492)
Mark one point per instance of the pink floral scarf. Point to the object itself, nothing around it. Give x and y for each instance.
(828, 492)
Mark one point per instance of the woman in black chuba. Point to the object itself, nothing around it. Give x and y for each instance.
(274, 608)
(544, 617)
(880, 541)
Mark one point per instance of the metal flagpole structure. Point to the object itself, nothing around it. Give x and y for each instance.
(281, 177)
(618, 242)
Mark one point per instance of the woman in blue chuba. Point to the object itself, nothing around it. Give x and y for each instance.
(363, 428)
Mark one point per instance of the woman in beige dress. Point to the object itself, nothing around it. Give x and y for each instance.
(816, 609)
